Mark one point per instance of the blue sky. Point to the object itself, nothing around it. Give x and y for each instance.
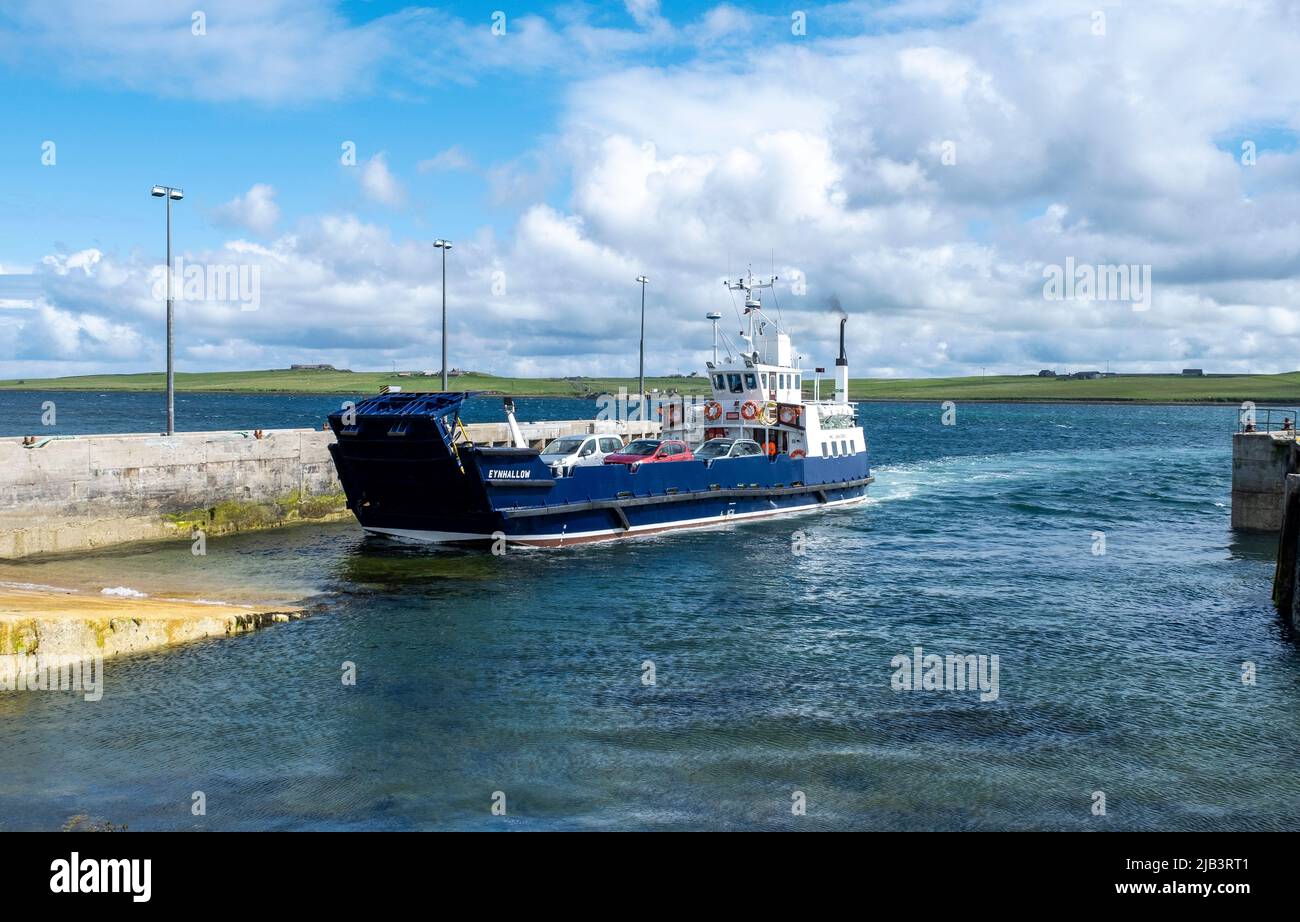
(920, 162)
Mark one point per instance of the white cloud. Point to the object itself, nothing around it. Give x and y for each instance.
(271, 51)
(378, 184)
(829, 155)
(49, 332)
(453, 159)
(255, 210)
(645, 12)
(83, 260)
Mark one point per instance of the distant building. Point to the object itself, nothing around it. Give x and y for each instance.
(1193, 372)
(316, 368)
(1086, 375)
(1047, 373)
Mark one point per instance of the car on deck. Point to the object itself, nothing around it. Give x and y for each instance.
(648, 451)
(718, 449)
(562, 455)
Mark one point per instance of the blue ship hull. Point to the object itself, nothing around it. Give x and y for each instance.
(405, 476)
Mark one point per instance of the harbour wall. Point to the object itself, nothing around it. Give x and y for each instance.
(74, 493)
(1286, 576)
(83, 492)
(1261, 462)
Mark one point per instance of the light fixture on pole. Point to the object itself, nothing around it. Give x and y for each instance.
(641, 362)
(715, 317)
(444, 245)
(171, 195)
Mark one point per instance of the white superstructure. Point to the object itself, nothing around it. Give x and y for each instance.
(758, 393)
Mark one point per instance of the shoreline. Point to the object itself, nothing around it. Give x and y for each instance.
(53, 621)
(938, 396)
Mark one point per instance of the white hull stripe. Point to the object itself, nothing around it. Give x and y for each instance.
(610, 534)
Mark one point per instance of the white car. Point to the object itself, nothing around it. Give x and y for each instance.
(570, 451)
(719, 449)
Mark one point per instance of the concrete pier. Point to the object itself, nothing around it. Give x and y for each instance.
(89, 491)
(70, 493)
(81, 625)
(1261, 462)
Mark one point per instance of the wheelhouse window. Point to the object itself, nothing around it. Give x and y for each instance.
(751, 381)
(798, 382)
(718, 383)
(763, 378)
(734, 384)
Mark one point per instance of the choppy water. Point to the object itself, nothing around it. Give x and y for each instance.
(91, 412)
(523, 674)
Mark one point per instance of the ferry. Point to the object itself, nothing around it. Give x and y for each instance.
(754, 449)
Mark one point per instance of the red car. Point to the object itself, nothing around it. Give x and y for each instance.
(646, 451)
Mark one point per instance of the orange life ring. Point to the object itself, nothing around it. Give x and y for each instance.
(798, 453)
(790, 415)
(749, 410)
(712, 410)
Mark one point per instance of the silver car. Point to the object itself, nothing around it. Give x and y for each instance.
(570, 451)
(717, 449)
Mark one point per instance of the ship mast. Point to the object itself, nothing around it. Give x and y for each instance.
(753, 299)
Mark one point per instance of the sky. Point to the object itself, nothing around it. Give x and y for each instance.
(930, 167)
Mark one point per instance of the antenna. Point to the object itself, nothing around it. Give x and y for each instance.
(753, 295)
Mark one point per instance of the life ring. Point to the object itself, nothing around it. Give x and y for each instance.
(712, 410)
(790, 414)
(749, 411)
(798, 453)
(769, 413)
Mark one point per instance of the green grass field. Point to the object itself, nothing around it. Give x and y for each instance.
(284, 381)
(1282, 388)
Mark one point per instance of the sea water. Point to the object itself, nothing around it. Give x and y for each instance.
(739, 678)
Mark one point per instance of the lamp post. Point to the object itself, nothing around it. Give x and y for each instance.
(715, 317)
(641, 362)
(444, 245)
(170, 195)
